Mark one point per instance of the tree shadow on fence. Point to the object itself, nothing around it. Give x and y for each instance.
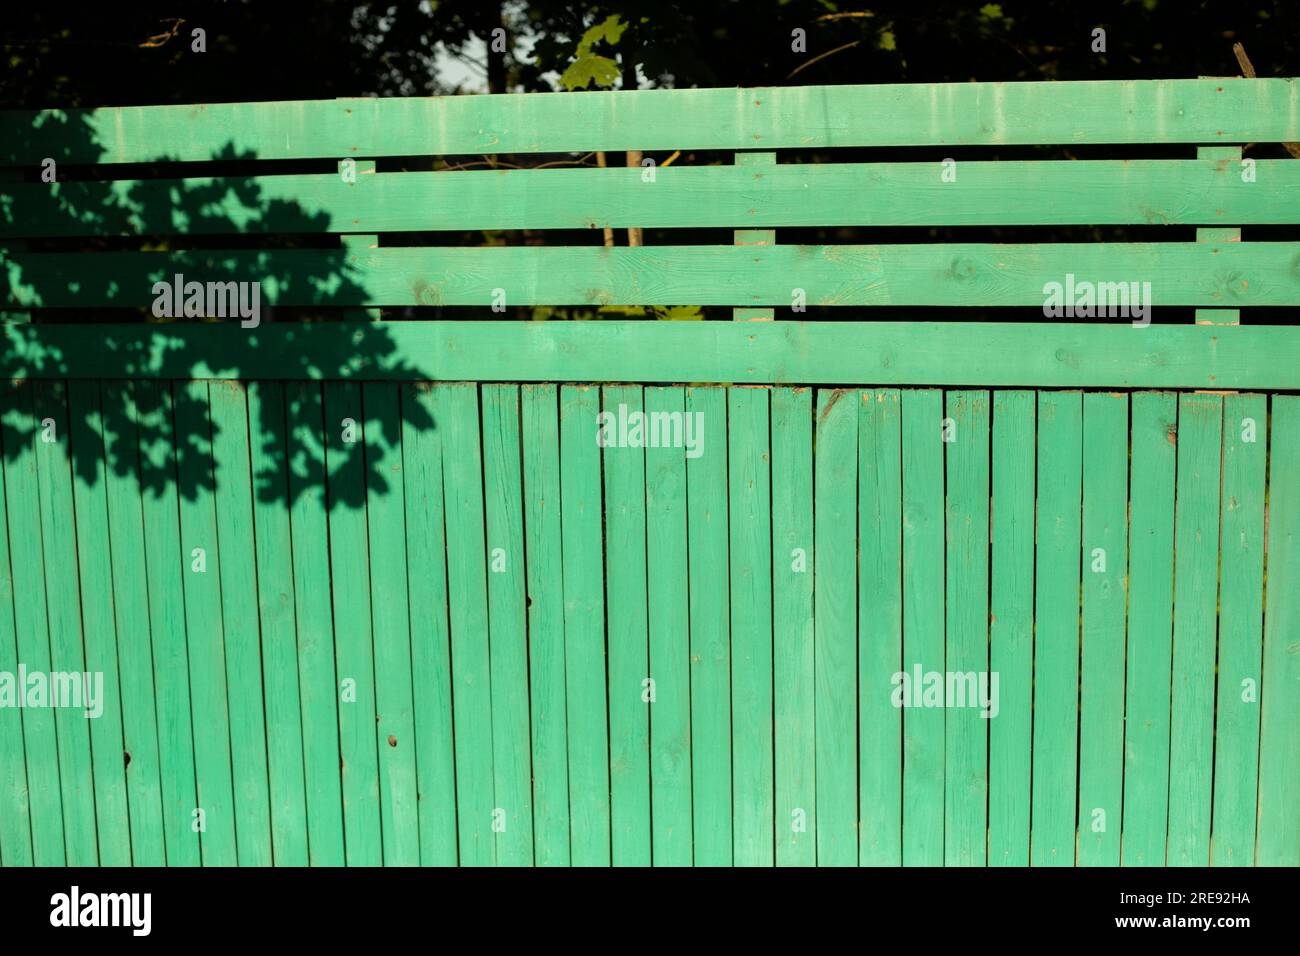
(94, 213)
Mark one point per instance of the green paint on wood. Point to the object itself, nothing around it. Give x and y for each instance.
(669, 628)
(919, 114)
(749, 523)
(394, 725)
(630, 703)
(546, 657)
(507, 613)
(710, 632)
(1104, 595)
(880, 628)
(1011, 625)
(1196, 564)
(1056, 629)
(1241, 637)
(1278, 841)
(584, 626)
(923, 624)
(966, 648)
(1150, 603)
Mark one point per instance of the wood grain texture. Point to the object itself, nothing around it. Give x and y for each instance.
(1217, 274)
(889, 353)
(1203, 191)
(1105, 111)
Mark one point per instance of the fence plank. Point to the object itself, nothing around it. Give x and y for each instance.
(749, 523)
(394, 725)
(542, 529)
(920, 114)
(998, 193)
(245, 680)
(353, 647)
(1196, 567)
(507, 624)
(925, 353)
(308, 518)
(15, 810)
(710, 626)
(201, 577)
(67, 652)
(966, 648)
(1104, 597)
(1241, 609)
(94, 567)
(22, 433)
(1213, 274)
(462, 476)
(625, 588)
(273, 557)
(1011, 625)
(923, 596)
(667, 587)
(584, 626)
(1278, 841)
(880, 628)
(131, 608)
(166, 565)
(426, 557)
(1150, 622)
(1056, 628)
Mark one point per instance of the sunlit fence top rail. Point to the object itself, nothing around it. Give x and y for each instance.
(237, 193)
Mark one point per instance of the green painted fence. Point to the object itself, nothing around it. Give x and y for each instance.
(870, 590)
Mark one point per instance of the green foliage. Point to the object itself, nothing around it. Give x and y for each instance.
(589, 67)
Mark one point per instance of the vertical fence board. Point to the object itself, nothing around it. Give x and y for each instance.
(1150, 623)
(1105, 568)
(135, 662)
(353, 648)
(67, 654)
(22, 433)
(94, 561)
(1056, 631)
(503, 503)
(203, 627)
(1241, 610)
(390, 619)
(426, 559)
(546, 660)
(625, 587)
(706, 505)
(166, 566)
(923, 596)
(1011, 624)
(835, 625)
(317, 674)
(584, 626)
(792, 627)
(669, 626)
(15, 810)
(749, 524)
(273, 565)
(462, 477)
(966, 649)
(1196, 571)
(1278, 841)
(245, 681)
(880, 628)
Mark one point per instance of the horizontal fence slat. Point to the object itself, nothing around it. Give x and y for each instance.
(883, 353)
(1232, 274)
(1105, 111)
(1011, 192)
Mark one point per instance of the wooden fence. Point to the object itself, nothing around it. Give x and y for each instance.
(789, 589)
